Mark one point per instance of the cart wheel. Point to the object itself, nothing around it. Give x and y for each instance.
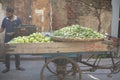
(56, 63)
(64, 69)
(51, 68)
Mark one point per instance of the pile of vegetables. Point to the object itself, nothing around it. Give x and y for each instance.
(77, 31)
(32, 38)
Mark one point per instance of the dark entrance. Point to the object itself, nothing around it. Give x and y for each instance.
(119, 25)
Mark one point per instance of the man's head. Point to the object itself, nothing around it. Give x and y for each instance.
(9, 12)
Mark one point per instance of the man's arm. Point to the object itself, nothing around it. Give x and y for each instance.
(2, 26)
(1, 29)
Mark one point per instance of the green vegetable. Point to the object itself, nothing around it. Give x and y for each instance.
(77, 31)
(32, 38)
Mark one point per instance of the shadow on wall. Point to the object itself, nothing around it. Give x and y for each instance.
(2, 14)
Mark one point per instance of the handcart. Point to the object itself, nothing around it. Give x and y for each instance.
(63, 59)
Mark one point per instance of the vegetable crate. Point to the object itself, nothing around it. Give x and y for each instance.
(24, 30)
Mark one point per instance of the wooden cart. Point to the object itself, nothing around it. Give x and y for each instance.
(63, 58)
(2, 52)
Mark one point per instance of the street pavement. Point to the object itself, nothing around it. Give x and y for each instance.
(33, 68)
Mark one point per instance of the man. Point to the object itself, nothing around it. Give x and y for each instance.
(8, 24)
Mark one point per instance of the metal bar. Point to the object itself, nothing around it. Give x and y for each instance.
(90, 57)
(112, 60)
(98, 67)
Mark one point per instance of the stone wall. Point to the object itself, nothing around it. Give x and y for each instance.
(60, 13)
(83, 12)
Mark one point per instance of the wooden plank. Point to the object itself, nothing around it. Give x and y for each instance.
(55, 47)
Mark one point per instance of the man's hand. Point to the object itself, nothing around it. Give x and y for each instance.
(10, 33)
(1, 29)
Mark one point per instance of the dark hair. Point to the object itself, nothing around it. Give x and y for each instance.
(10, 9)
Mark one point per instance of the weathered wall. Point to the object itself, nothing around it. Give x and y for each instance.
(41, 14)
(1, 18)
(84, 13)
(35, 12)
(59, 14)
(22, 9)
(64, 12)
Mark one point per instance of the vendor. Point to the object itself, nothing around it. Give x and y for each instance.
(8, 24)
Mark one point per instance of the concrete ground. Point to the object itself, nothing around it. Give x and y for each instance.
(33, 68)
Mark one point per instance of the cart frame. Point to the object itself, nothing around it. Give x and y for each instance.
(58, 51)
